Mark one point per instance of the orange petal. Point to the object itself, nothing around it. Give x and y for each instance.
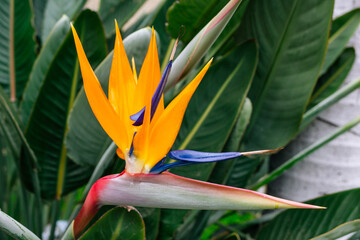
(149, 76)
(99, 104)
(165, 130)
(121, 82)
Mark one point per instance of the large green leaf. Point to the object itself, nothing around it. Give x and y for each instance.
(55, 9)
(41, 65)
(292, 38)
(47, 125)
(342, 29)
(331, 81)
(210, 117)
(121, 10)
(304, 224)
(86, 140)
(17, 46)
(118, 223)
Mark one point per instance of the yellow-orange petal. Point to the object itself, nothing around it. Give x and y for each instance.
(149, 76)
(99, 104)
(121, 82)
(166, 128)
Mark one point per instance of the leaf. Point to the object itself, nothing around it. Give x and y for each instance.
(14, 229)
(55, 9)
(305, 224)
(342, 29)
(121, 10)
(304, 153)
(47, 125)
(39, 9)
(211, 115)
(86, 140)
(291, 55)
(118, 223)
(331, 81)
(340, 230)
(41, 66)
(329, 101)
(17, 46)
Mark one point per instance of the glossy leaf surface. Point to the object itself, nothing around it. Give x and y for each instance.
(117, 223)
(121, 10)
(342, 29)
(55, 9)
(41, 65)
(17, 46)
(304, 224)
(290, 58)
(47, 126)
(331, 81)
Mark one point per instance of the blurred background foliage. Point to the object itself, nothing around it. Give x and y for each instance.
(277, 65)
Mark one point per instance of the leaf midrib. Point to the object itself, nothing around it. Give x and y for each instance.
(272, 67)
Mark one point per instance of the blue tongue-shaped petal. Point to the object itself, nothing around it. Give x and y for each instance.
(139, 116)
(188, 157)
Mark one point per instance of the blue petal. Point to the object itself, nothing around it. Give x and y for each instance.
(189, 157)
(139, 116)
(201, 157)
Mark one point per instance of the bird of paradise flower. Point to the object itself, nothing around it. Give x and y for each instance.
(134, 117)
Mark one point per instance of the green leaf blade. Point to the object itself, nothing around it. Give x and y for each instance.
(305, 224)
(47, 125)
(291, 55)
(118, 223)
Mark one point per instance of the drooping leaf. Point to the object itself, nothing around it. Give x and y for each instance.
(17, 45)
(14, 229)
(118, 223)
(330, 81)
(342, 29)
(304, 153)
(329, 101)
(41, 65)
(340, 231)
(305, 224)
(218, 99)
(86, 140)
(121, 10)
(290, 59)
(55, 9)
(47, 125)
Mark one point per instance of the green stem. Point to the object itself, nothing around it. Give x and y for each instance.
(54, 217)
(306, 152)
(311, 114)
